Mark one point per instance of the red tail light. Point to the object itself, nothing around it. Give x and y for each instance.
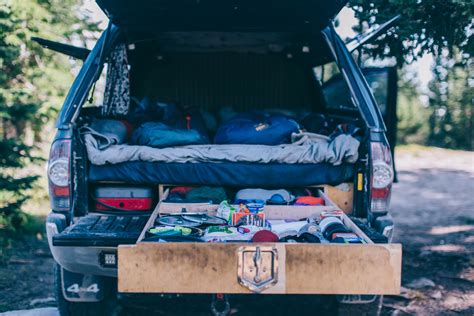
(382, 178)
(59, 175)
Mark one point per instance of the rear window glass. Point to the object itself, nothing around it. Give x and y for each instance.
(378, 83)
(335, 91)
(337, 95)
(96, 94)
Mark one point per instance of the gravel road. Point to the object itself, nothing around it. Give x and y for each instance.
(433, 207)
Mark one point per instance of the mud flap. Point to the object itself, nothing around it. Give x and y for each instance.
(82, 287)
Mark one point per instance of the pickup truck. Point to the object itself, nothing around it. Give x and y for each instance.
(210, 56)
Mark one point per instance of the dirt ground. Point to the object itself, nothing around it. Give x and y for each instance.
(433, 207)
(26, 280)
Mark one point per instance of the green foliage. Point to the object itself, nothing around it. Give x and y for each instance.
(451, 121)
(33, 82)
(444, 29)
(412, 114)
(426, 26)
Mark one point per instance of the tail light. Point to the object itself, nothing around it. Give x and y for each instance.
(59, 175)
(382, 177)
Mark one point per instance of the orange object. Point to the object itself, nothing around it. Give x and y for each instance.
(243, 209)
(257, 219)
(188, 121)
(310, 200)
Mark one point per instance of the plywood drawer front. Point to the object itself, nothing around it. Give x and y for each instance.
(302, 268)
(343, 269)
(178, 268)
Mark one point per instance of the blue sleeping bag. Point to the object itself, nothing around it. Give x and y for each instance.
(167, 125)
(160, 135)
(259, 128)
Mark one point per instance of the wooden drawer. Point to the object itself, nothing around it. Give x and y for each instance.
(290, 268)
(302, 268)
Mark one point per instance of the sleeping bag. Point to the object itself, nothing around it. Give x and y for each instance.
(170, 114)
(160, 135)
(258, 128)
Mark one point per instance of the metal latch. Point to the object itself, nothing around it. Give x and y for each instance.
(257, 267)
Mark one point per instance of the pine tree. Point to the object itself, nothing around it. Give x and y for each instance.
(412, 113)
(426, 26)
(33, 83)
(444, 29)
(452, 103)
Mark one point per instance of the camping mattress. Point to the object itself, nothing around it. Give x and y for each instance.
(223, 174)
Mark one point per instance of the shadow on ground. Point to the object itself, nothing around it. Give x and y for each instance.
(434, 213)
(26, 279)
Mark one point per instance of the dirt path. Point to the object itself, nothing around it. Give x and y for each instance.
(433, 207)
(26, 280)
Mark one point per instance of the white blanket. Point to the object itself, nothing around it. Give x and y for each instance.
(307, 148)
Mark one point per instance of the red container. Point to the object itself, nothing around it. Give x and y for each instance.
(124, 198)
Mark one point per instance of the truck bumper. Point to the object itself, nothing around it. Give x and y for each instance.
(77, 259)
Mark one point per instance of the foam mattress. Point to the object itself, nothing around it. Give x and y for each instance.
(223, 174)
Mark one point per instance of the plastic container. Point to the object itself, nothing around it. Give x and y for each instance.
(119, 198)
(332, 225)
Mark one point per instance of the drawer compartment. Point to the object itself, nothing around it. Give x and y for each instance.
(302, 268)
(267, 268)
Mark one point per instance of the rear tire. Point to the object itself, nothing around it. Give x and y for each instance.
(66, 308)
(370, 309)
